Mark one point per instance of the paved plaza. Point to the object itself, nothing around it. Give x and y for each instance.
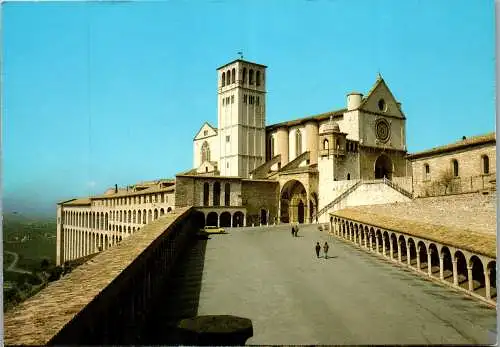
(352, 297)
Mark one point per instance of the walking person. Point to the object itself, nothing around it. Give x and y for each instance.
(293, 230)
(318, 248)
(296, 230)
(325, 249)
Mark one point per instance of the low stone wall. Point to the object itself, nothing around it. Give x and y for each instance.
(106, 300)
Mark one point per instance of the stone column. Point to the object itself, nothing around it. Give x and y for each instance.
(365, 239)
(455, 272)
(487, 283)
(418, 259)
(469, 277)
(429, 263)
(441, 266)
(391, 249)
(399, 251)
(408, 255)
(376, 243)
(355, 237)
(383, 247)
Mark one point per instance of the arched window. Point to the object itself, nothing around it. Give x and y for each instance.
(206, 189)
(244, 75)
(223, 79)
(227, 194)
(250, 77)
(228, 77)
(427, 171)
(257, 78)
(216, 200)
(233, 74)
(325, 144)
(455, 167)
(205, 152)
(486, 165)
(298, 143)
(348, 176)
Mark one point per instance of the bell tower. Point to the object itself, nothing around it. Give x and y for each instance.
(241, 109)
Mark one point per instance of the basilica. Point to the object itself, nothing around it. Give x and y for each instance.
(247, 172)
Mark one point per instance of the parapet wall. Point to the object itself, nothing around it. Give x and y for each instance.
(106, 300)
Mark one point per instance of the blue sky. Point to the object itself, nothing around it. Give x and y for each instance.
(101, 93)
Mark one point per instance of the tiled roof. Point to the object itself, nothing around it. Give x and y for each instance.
(240, 60)
(317, 117)
(468, 142)
(77, 202)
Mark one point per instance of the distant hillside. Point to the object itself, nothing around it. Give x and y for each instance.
(33, 239)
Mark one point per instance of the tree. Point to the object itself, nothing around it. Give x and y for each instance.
(446, 179)
(44, 264)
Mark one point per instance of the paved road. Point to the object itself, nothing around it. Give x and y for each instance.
(12, 266)
(351, 298)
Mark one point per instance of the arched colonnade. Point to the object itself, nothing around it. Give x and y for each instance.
(475, 273)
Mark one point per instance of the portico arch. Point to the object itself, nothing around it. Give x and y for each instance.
(383, 167)
(225, 219)
(212, 219)
(293, 202)
(238, 219)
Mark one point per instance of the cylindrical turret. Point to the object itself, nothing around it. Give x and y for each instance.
(312, 141)
(282, 144)
(353, 100)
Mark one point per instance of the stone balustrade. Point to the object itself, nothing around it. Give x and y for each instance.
(107, 299)
(460, 258)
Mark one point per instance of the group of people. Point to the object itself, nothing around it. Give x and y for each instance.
(295, 230)
(325, 249)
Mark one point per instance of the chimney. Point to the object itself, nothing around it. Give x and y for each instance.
(463, 137)
(116, 188)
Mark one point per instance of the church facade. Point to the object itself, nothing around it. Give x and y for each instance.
(364, 140)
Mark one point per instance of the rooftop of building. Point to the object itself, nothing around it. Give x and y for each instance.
(242, 61)
(456, 146)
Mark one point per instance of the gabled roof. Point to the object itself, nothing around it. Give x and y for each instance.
(462, 144)
(378, 83)
(199, 131)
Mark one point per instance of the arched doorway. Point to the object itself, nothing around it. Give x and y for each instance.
(383, 167)
(212, 219)
(238, 219)
(263, 217)
(225, 219)
(293, 202)
(300, 212)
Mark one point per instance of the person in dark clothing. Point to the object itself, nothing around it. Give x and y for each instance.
(325, 249)
(318, 248)
(293, 230)
(296, 230)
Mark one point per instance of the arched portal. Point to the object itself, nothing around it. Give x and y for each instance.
(292, 199)
(225, 219)
(300, 212)
(212, 219)
(383, 167)
(238, 219)
(263, 217)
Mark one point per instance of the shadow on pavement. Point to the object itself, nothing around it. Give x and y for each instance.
(181, 298)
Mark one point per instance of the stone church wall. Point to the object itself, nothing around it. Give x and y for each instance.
(257, 195)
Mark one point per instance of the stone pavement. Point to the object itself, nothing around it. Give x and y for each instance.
(351, 298)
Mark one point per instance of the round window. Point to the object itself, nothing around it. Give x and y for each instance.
(382, 130)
